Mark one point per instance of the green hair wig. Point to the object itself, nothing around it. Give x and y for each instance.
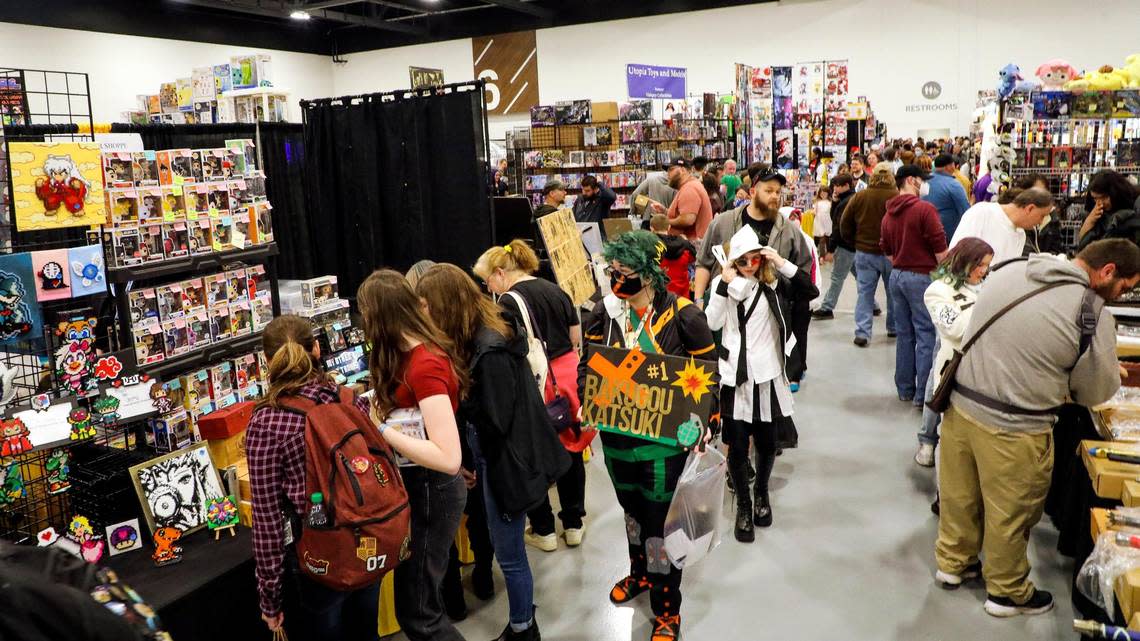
(640, 251)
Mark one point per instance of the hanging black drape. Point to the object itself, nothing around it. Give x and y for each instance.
(390, 180)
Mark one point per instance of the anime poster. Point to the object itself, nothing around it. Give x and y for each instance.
(86, 270)
(53, 280)
(174, 488)
(56, 184)
(20, 317)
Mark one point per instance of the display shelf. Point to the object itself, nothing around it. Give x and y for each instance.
(199, 358)
(191, 264)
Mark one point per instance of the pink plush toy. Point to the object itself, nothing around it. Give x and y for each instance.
(1055, 73)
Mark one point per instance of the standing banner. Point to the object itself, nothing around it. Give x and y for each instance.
(658, 398)
(647, 81)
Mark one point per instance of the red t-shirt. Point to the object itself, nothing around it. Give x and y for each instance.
(426, 374)
(691, 198)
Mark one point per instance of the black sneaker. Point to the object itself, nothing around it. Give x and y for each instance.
(999, 606)
(860, 341)
(948, 581)
(823, 314)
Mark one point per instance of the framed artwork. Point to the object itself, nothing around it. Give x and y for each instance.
(20, 316)
(174, 488)
(56, 184)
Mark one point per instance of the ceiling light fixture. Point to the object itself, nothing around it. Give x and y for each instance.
(300, 15)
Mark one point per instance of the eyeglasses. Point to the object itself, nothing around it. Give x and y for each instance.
(744, 261)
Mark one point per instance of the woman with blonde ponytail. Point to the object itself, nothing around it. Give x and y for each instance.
(275, 450)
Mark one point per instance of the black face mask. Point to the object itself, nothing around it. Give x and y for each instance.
(627, 288)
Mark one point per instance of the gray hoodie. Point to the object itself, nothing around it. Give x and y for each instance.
(1026, 358)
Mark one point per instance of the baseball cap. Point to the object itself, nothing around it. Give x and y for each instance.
(944, 160)
(552, 185)
(906, 171)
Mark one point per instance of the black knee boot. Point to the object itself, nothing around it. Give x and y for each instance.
(763, 511)
(744, 530)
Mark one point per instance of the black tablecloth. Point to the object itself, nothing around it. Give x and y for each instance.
(211, 594)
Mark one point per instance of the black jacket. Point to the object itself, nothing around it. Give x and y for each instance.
(524, 456)
(836, 240)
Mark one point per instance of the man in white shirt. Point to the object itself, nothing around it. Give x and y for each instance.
(1003, 226)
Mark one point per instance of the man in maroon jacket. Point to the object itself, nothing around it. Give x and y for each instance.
(913, 238)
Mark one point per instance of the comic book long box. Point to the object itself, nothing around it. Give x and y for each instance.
(663, 399)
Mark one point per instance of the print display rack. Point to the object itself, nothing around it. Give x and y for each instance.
(618, 152)
(1067, 137)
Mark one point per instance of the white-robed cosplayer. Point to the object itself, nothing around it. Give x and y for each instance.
(749, 303)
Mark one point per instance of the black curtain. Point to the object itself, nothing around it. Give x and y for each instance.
(393, 179)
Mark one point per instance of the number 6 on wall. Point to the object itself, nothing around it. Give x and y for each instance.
(492, 99)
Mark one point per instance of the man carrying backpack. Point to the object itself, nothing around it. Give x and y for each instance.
(1051, 341)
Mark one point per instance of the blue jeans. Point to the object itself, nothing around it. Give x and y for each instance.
(869, 268)
(914, 350)
(928, 434)
(510, 549)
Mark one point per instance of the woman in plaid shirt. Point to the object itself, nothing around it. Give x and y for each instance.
(275, 448)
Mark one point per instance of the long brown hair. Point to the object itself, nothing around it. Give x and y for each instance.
(392, 312)
(288, 343)
(459, 308)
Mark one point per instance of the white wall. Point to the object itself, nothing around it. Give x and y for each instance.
(121, 67)
(894, 47)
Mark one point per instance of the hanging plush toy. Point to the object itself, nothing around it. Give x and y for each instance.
(1055, 73)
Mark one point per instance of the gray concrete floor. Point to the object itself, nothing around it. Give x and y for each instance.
(850, 555)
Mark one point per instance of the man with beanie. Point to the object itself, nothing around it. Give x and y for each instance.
(996, 451)
(862, 224)
(913, 238)
(946, 193)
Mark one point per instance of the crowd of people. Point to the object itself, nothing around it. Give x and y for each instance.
(723, 273)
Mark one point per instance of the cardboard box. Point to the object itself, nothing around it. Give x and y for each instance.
(603, 111)
(1107, 476)
(227, 451)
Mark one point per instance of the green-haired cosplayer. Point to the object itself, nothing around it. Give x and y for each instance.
(640, 312)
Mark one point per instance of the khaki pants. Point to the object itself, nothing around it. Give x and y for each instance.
(992, 488)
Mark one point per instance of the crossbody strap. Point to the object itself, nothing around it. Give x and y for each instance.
(1004, 310)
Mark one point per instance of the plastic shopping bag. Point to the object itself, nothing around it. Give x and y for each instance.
(692, 525)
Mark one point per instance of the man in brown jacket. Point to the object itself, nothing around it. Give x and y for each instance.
(862, 221)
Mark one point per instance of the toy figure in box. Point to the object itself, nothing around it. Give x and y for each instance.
(175, 203)
(80, 421)
(15, 435)
(150, 243)
(150, 206)
(106, 409)
(58, 470)
(238, 285)
(170, 301)
(124, 206)
(175, 337)
(11, 482)
(146, 168)
(175, 239)
(165, 550)
(200, 237)
(148, 345)
(160, 399)
(118, 169)
(75, 357)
